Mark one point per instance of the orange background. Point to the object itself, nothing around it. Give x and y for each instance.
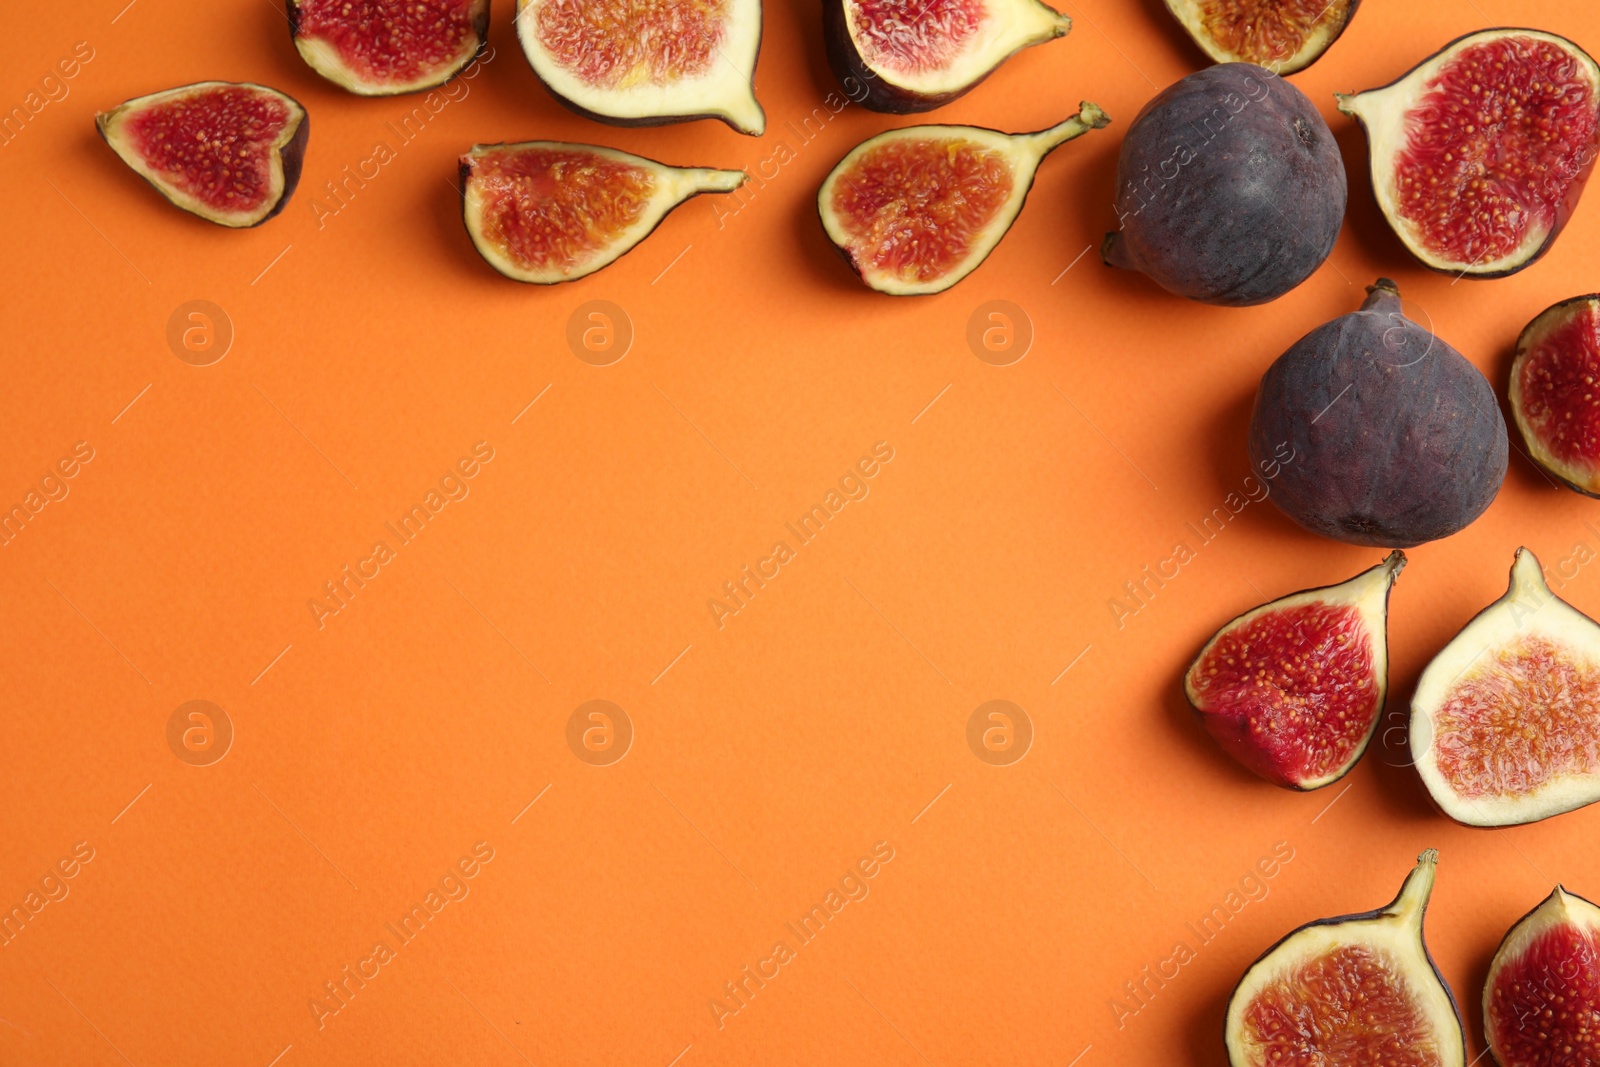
(770, 755)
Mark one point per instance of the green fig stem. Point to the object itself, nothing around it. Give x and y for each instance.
(1089, 117)
(1382, 294)
(717, 181)
(1413, 898)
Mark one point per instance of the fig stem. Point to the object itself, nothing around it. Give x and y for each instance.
(1413, 898)
(1383, 294)
(707, 180)
(1089, 117)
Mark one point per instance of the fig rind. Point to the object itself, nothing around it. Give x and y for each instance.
(1555, 1001)
(326, 61)
(1190, 16)
(1581, 477)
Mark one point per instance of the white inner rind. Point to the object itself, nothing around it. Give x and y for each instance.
(1529, 609)
(1008, 27)
(726, 90)
(1386, 115)
(1585, 476)
(321, 56)
(112, 124)
(1190, 15)
(673, 185)
(1559, 909)
(1368, 593)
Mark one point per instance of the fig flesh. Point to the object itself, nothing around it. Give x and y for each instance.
(904, 56)
(1480, 153)
(1353, 991)
(547, 212)
(1552, 391)
(1397, 438)
(1541, 1002)
(386, 47)
(1294, 689)
(1505, 722)
(915, 210)
(1282, 35)
(1230, 188)
(225, 151)
(647, 62)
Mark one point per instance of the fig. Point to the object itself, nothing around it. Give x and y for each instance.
(1397, 439)
(386, 47)
(1230, 188)
(1281, 35)
(904, 56)
(547, 212)
(1480, 153)
(647, 62)
(1541, 1002)
(1553, 391)
(1294, 689)
(228, 152)
(1352, 991)
(1505, 721)
(915, 210)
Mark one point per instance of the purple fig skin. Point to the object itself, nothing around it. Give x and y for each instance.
(1230, 188)
(1396, 438)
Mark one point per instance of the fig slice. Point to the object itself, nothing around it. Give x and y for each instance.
(229, 152)
(647, 62)
(387, 47)
(1294, 689)
(1553, 391)
(915, 210)
(1505, 722)
(547, 212)
(1352, 991)
(904, 56)
(1480, 153)
(1282, 35)
(1541, 1002)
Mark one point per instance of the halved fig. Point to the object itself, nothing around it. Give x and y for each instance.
(547, 212)
(229, 152)
(1294, 689)
(1282, 35)
(1554, 394)
(903, 56)
(1541, 1002)
(915, 210)
(385, 47)
(1352, 991)
(1480, 153)
(1505, 722)
(647, 62)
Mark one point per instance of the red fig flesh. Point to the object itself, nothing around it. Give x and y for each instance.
(1294, 688)
(1553, 394)
(384, 47)
(1282, 35)
(1541, 1003)
(1479, 154)
(227, 152)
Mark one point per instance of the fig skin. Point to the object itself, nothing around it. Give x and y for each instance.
(1230, 188)
(1398, 439)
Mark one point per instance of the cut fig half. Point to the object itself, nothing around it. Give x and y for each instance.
(547, 212)
(1554, 396)
(1352, 991)
(387, 47)
(648, 62)
(1479, 154)
(1294, 689)
(1505, 722)
(1541, 1002)
(225, 151)
(915, 210)
(1282, 35)
(904, 56)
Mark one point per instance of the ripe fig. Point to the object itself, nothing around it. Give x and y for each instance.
(1281, 35)
(1398, 439)
(647, 62)
(917, 209)
(1351, 991)
(903, 56)
(228, 152)
(1230, 188)
(1480, 153)
(1553, 392)
(1294, 689)
(386, 47)
(547, 212)
(1541, 1002)
(1505, 722)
